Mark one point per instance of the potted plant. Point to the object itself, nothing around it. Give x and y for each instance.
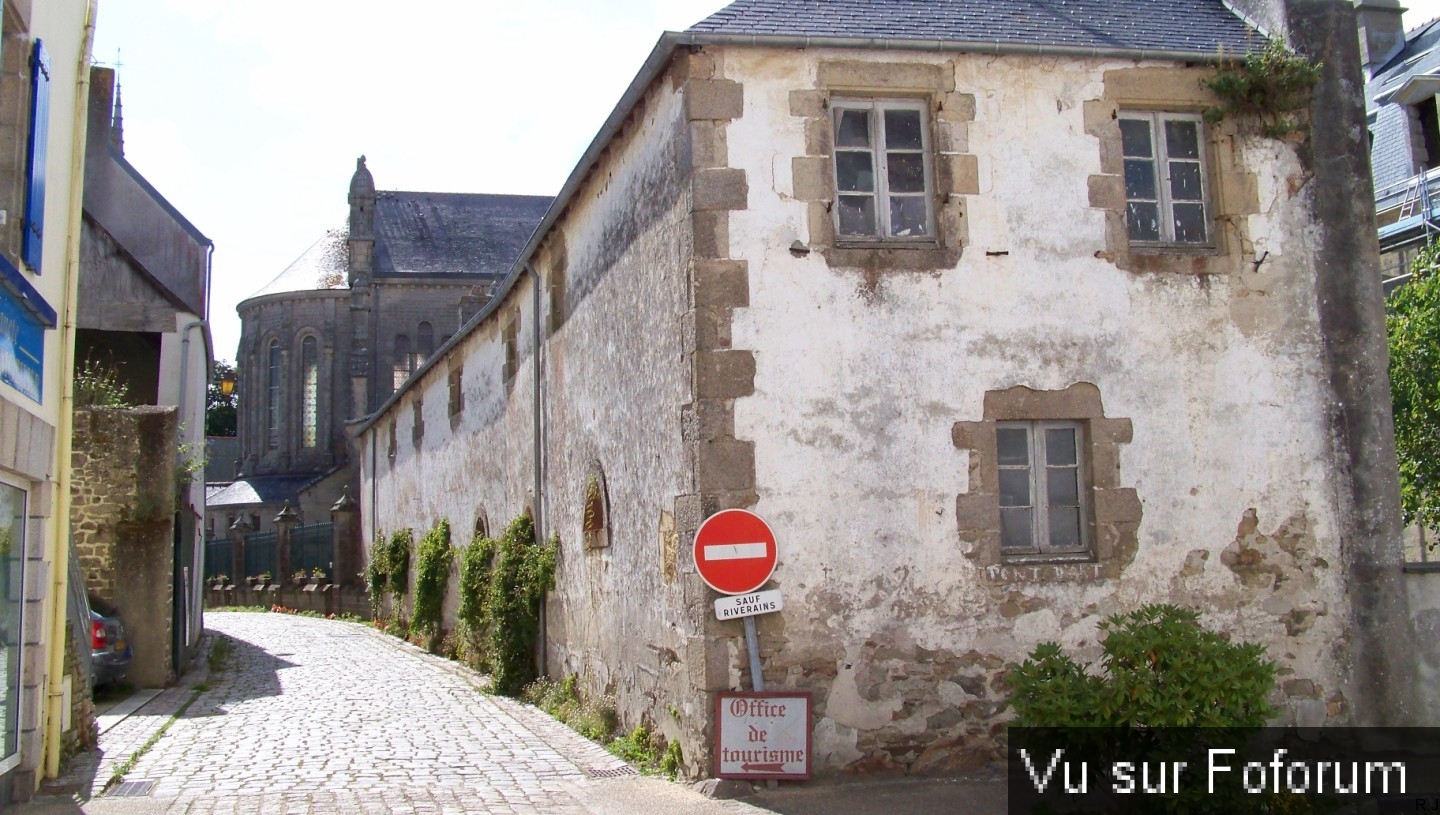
(219, 582)
(298, 578)
(262, 581)
(317, 577)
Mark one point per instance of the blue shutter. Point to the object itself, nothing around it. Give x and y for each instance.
(35, 168)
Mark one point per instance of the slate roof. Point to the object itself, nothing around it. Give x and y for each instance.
(322, 266)
(424, 233)
(453, 233)
(1419, 57)
(1201, 26)
(269, 489)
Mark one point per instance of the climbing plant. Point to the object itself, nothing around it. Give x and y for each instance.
(523, 570)
(1272, 85)
(377, 573)
(397, 566)
(475, 565)
(433, 558)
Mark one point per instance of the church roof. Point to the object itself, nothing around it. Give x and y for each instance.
(1202, 26)
(424, 233)
(453, 233)
(322, 266)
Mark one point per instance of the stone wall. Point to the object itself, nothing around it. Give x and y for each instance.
(122, 517)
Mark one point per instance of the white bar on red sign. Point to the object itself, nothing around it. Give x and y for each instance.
(748, 605)
(734, 551)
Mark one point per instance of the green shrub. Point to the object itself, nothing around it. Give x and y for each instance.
(1273, 86)
(433, 559)
(1161, 669)
(397, 565)
(521, 574)
(470, 623)
(377, 573)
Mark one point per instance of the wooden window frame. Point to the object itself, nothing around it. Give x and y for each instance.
(879, 152)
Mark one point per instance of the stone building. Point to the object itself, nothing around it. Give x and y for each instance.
(336, 332)
(995, 329)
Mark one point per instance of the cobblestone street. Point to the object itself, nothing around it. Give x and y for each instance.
(319, 716)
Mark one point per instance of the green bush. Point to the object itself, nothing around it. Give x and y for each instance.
(1413, 324)
(433, 558)
(521, 574)
(1273, 86)
(397, 564)
(470, 622)
(377, 573)
(1161, 669)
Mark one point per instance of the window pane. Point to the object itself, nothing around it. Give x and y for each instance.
(852, 128)
(1062, 486)
(1135, 138)
(857, 215)
(1140, 179)
(1012, 446)
(1182, 139)
(1144, 221)
(1014, 488)
(1185, 181)
(855, 172)
(1060, 446)
(1016, 529)
(1065, 528)
(1190, 223)
(907, 216)
(907, 172)
(902, 130)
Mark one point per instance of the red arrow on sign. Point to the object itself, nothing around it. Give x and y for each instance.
(735, 551)
(763, 768)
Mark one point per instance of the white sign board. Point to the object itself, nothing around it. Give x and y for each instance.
(748, 605)
(762, 735)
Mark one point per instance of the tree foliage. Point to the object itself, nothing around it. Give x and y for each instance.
(1413, 325)
(220, 409)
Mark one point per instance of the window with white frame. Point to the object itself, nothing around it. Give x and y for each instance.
(1042, 488)
(1165, 187)
(882, 170)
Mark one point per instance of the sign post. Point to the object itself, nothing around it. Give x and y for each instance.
(735, 554)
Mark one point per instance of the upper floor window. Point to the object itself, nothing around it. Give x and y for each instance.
(882, 170)
(272, 390)
(1164, 178)
(310, 393)
(1042, 506)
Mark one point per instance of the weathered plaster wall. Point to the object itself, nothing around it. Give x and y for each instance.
(122, 517)
(869, 382)
(612, 297)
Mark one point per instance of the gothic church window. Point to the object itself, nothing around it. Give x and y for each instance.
(272, 404)
(404, 362)
(427, 342)
(310, 393)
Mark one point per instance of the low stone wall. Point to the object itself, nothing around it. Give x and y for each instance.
(321, 599)
(123, 516)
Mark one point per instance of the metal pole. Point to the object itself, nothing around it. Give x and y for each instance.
(752, 644)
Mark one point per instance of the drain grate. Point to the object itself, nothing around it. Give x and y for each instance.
(130, 789)
(611, 772)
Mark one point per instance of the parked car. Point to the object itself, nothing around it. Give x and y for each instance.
(110, 651)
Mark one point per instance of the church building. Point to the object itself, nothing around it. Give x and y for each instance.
(335, 333)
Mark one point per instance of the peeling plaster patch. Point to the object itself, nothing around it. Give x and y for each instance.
(834, 744)
(1037, 627)
(847, 707)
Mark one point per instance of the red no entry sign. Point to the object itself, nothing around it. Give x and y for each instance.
(735, 551)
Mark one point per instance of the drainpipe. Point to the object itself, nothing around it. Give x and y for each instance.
(539, 457)
(60, 526)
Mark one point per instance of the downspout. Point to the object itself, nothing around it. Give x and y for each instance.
(60, 536)
(539, 458)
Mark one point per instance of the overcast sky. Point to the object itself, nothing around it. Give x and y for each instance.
(248, 116)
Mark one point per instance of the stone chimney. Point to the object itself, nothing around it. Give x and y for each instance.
(1382, 33)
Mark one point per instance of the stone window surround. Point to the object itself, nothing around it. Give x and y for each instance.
(321, 382)
(1233, 190)
(595, 508)
(955, 173)
(417, 430)
(1114, 511)
(456, 379)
